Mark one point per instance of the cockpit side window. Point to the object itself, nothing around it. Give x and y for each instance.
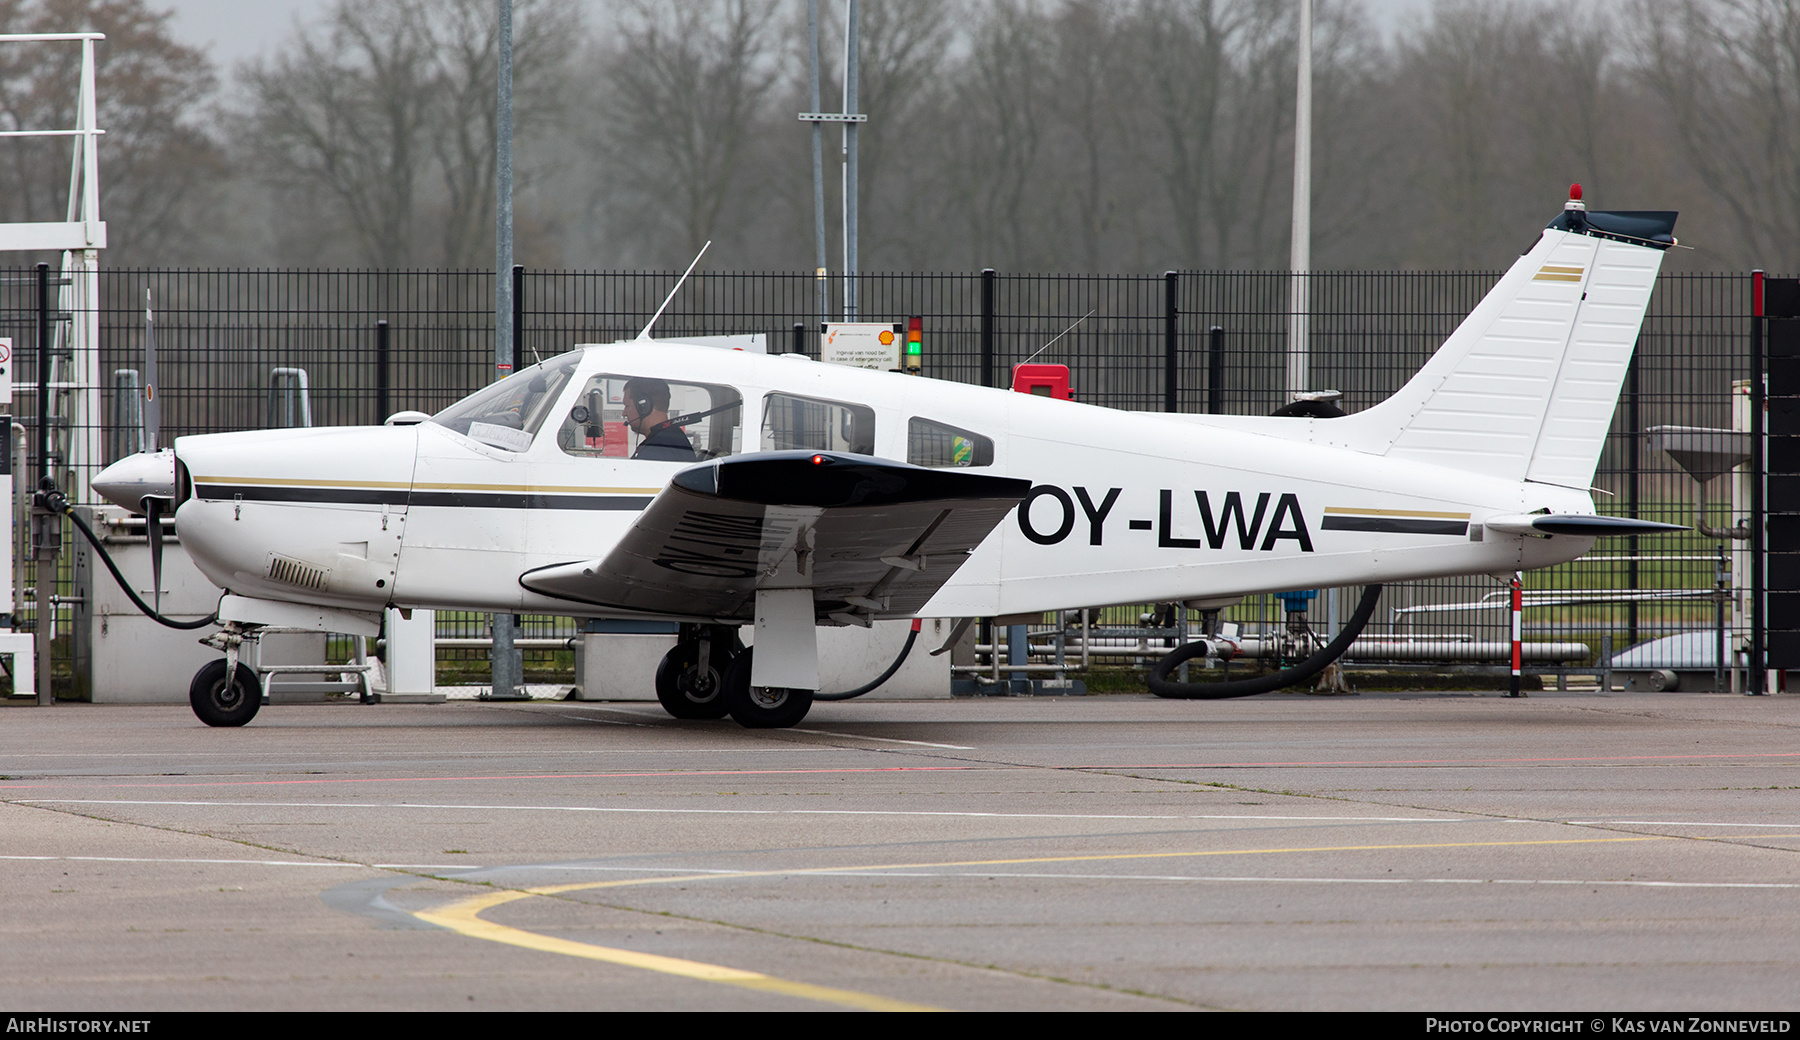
(811, 424)
(650, 419)
(938, 445)
(507, 415)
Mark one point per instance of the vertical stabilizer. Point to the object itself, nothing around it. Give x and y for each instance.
(1526, 386)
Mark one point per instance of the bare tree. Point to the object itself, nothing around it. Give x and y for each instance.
(1509, 102)
(1458, 71)
(384, 118)
(1729, 73)
(155, 160)
(905, 46)
(464, 36)
(683, 123)
(1213, 82)
(1355, 141)
(1001, 111)
(1087, 103)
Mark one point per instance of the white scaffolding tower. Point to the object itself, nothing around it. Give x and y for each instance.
(74, 383)
(73, 379)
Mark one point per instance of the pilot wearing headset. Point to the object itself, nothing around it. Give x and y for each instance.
(647, 413)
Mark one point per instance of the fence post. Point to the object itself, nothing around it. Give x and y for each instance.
(1171, 343)
(1756, 666)
(46, 527)
(43, 379)
(1215, 371)
(987, 326)
(1634, 460)
(518, 322)
(383, 404)
(799, 337)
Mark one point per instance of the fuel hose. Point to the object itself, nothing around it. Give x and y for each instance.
(911, 638)
(55, 502)
(1163, 686)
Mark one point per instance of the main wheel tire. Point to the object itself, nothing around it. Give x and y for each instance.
(689, 690)
(762, 707)
(219, 703)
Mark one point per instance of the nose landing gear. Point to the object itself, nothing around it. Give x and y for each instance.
(221, 703)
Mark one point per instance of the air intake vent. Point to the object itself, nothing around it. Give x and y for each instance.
(293, 572)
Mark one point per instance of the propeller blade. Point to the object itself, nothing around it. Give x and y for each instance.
(152, 406)
(153, 528)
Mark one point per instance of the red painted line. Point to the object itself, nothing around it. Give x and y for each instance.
(1434, 761)
(910, 769)
(521, 776)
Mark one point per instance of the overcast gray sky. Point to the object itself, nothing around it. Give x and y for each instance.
(237, 30)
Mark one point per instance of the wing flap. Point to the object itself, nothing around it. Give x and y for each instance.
(871, 538)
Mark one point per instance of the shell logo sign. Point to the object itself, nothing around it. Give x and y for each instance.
(868, 345)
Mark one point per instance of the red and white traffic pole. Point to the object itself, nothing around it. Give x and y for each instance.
(1518, 655)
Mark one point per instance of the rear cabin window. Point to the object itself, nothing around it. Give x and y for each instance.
(939, 445)
(811, 424)
(688, 422)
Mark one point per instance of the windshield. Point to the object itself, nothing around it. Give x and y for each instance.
(507, 414)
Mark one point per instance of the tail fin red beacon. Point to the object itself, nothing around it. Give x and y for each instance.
(1526, 386)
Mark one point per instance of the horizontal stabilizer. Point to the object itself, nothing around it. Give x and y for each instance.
(1580, 525)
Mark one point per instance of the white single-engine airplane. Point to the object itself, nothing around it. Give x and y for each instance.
(718, 489)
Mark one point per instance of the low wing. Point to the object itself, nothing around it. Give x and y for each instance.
(871, 538)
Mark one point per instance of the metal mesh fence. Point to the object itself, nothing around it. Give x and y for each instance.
(1222, 336)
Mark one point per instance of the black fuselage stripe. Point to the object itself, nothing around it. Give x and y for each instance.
(338, 496)
(402, 497)
(518, 500)
(1394, 525)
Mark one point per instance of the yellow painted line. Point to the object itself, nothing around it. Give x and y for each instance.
(675, 879)
(463, 917)
(1348, 511)
(1560, 269)
(686, 878)
(1542, 277)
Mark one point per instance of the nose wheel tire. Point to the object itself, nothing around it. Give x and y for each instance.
(221, 703)
(689, 688)
(762, 707)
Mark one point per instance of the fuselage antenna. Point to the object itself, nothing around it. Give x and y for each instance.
(665, 304)
(1060, 335)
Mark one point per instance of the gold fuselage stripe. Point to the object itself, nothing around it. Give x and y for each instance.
(1421, 513)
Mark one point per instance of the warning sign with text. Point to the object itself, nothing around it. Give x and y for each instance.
(861, 345)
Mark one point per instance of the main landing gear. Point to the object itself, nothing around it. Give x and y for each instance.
(707, 676)
(690, 680)
(762, 707)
